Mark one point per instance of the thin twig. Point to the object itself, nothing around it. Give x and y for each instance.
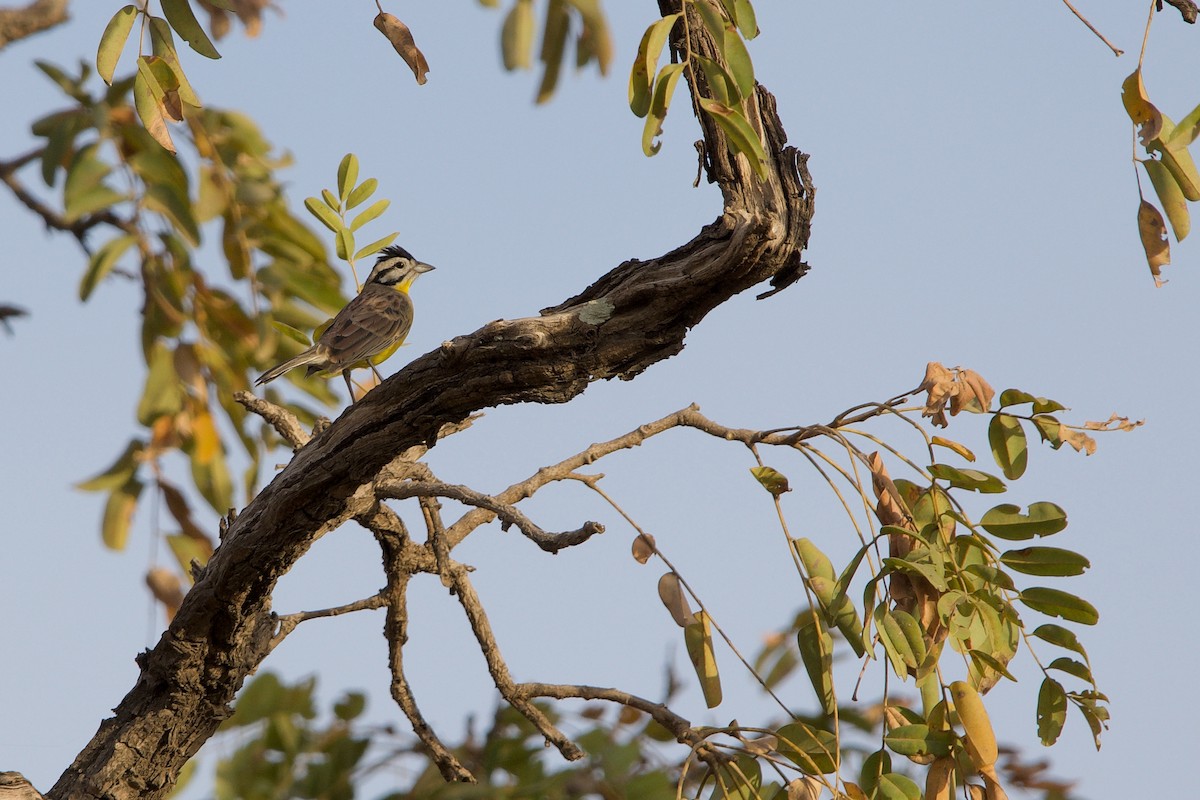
(1092, 28)
(285, 423)
(288, 622)
(509, 515)
(678, 727)
(395, 630)
(501, 677)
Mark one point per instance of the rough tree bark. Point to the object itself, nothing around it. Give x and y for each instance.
(632, 317)
(40, 15)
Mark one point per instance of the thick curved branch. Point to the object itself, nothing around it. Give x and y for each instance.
(633, 317)
(38, 16)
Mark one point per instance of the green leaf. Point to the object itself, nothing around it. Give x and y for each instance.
(1006, 521)
(721, 84)
(344, 244)
(267, 696)
(119, 473)
(1050, 429)
(992, 575)
(1061, 637)
(323, 213)
(698, 638)
(894, 786)
(516, 36)
(351, 706)
(361, 193)
(291, 333)
(813, 750)
(900, 635)
(1170, 195)
(148, 97)
(102, 261)
(645, 65)
(1014, 397)
(741, 135)
(347, 175)
(112, 42)
(775, 483)
(816, 651)
(664, 90)
(1009, 448)
(1045, 561)
(163, 46)
(162, 394)
(839, 611)
(179, 14)
(1178, 160)
(969, 479)
(1051, 711)
(176, 208)
(713, 20)
(1056, 603)
(373, 211)
(118, 514)
(816, 563)
(376, 246)
(743, 13)
(1072, 667)
(987, 661)
(1044, 405)
(740, 65)
(554, 41)
(84, 191)
(1186, 130)
(918, 740)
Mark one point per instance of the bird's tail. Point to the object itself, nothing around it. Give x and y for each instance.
(307, 357)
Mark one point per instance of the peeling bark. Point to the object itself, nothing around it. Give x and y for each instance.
(629, 319)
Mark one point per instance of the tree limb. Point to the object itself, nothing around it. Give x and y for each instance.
(39, 15)
(633, 317)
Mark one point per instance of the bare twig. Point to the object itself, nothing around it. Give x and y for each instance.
(395, 630)
(8, 312)
(1116, 51)
(38, 16)
(499, 670)
(288, 622)
(550, 542)
(283, 421)
(436, 542)
(77, 228)
(679, 727)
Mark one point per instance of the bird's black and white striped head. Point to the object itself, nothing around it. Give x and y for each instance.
(397, 268)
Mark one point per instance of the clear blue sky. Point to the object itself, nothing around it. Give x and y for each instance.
(975, 206)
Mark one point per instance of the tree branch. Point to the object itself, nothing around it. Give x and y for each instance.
(499, 670)
(39, 15)
(633, 317)
(1187, 9)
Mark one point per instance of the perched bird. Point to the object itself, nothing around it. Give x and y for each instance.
(375, 322)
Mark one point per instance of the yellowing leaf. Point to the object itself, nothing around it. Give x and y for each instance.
(1153, 232)
(1171, 196)
(742, 138)
(205, 437)
(957, 447)
(148, 97)
(774, 482)
(554, 42)
(119, 473)
(980, 738)
(697, 635)
(102, 261)
(516, 36)
(641, 83)
(1140, 109)
(112, 42)
(118, 514)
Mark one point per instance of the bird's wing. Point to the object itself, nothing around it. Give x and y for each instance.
(375, 319)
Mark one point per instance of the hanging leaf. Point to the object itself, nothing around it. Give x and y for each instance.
(112, 42)
(970, 479)
(1009, 448)
(179, 14)
(1153, 232)
(1171, 196)
(148, 98)
(697, 635)
(645, 65)
(980, 738)
(1140, 109)
(1051, 711)
(1057, 603)
(118, 514)
(813, 750)
(816, 651)
(516, 36)
(119, 473)
(554, 43)
(102, 261)
(403, 43)
(643, 547)
(775, 483)
(1045, 561)
(670, 591)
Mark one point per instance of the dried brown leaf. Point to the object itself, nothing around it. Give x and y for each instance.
(671, 593)
(890, 508)
(1153, 231)
(974, 393)
(939, 382)
(1114, 423)
(643, 547)
(806, 788)
(166, 588)
(248, 12)
(1077, 439)
(402, 39)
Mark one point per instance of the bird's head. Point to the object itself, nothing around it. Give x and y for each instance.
(396, 267)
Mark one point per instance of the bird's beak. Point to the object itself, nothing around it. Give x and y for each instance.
(421, 267)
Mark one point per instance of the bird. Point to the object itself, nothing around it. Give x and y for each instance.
(371, 325)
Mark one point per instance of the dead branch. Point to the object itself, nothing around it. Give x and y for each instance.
(38, 16)
(289, 622)
(1187, 9)
(283, 421)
